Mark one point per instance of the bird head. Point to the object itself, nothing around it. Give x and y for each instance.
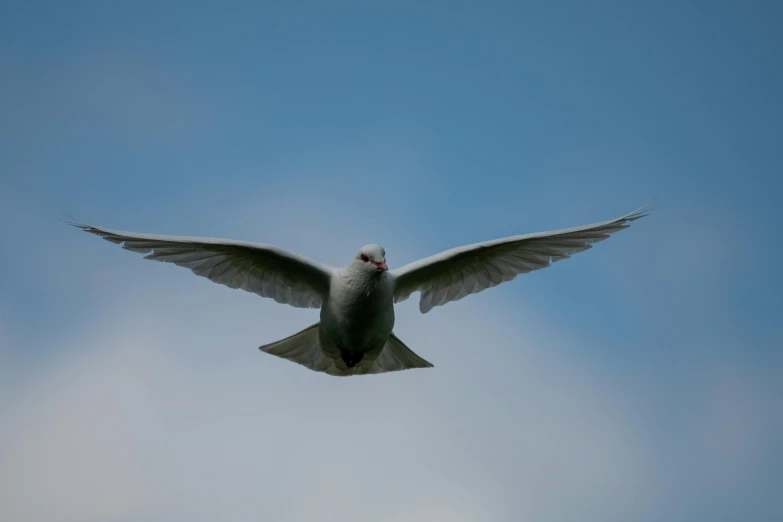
(371, 258)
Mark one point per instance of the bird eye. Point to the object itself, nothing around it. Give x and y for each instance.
(365, 258)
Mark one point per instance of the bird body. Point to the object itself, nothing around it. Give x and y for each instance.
(358, 314)
(355, 333)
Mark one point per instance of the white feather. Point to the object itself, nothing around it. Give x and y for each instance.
(357, 301)
(453, 274)
(265, 270)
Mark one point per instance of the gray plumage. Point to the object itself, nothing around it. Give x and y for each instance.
(354, 335)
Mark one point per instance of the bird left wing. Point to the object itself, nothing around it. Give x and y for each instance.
(265, 270)
(453, 274)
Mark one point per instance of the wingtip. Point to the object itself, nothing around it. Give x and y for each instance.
(72, 221)
(640, 212)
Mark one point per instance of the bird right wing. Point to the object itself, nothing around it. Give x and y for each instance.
(265, 270)
(456, 273)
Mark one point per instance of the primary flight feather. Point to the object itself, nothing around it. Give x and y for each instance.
(354, 335)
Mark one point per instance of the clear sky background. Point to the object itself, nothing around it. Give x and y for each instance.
(641, 380)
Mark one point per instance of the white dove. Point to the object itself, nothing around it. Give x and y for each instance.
(354, 335)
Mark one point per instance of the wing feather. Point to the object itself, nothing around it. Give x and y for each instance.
(456, 273)
(261, 269)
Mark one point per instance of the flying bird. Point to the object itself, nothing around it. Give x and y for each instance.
(354, 335)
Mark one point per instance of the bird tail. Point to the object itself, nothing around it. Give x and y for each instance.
(308, 348)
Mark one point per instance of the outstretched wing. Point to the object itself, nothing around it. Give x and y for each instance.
(265, 270)
(453, 274)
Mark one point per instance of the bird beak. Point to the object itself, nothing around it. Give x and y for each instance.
(381, 265)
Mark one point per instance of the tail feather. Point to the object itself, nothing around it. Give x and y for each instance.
(397, 356)
(308, 348)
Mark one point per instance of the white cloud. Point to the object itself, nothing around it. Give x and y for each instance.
(145, 415)
(734, 423)
(66, 454)
(5, 337)
(158, 406)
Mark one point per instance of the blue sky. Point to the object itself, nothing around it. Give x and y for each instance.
(638, 381)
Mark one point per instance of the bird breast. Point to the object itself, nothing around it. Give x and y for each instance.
(358, 314)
